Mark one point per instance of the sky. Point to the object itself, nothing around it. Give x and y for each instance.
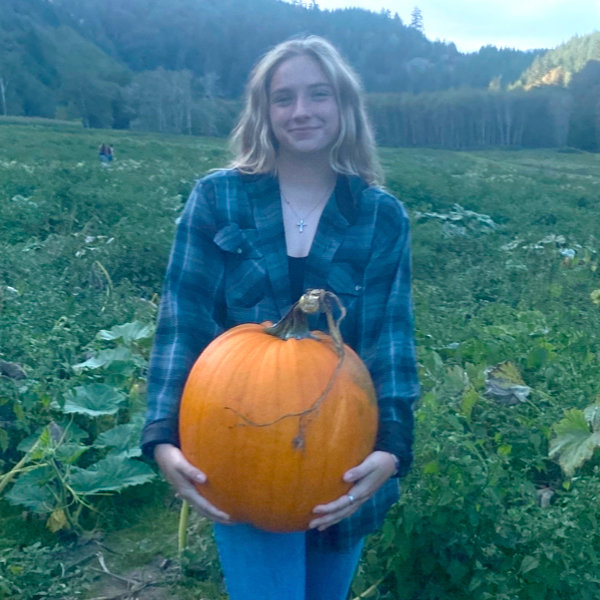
(470, 24)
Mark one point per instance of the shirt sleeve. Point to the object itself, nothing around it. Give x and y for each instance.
(189, 316)
(388, 346)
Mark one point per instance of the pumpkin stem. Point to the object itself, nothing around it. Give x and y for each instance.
(295, 323)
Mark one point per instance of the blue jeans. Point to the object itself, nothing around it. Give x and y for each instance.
(259, 565)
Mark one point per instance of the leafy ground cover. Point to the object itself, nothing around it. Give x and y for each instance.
(502, 500)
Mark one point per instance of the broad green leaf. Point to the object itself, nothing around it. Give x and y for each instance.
(31, 490)
(93, 400)
(70, 453)
(117, 437)
(132, 452)
(129, 332)
(45, 443)
(106, 357)
(574, 442)
(110, 474)
(529, 563)
(70, 434)
(121, 437)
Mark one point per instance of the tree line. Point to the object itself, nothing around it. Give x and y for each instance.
(180, 67)
(555, 103)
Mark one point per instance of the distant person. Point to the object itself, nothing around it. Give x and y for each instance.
(106, 154)
(102, 153)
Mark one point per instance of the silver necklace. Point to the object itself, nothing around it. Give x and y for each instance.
(301, 224)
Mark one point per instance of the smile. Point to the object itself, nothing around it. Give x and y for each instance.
(303, 129)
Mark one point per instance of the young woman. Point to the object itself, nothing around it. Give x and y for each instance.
(299, 208)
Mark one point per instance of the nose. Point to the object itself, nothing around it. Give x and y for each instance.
(301, 107)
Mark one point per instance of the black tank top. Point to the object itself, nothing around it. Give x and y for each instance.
(297, 266)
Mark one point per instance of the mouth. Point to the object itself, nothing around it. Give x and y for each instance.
(303, 129)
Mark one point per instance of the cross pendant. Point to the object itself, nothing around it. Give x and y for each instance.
(301, 225)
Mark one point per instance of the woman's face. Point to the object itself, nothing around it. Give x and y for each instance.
(303, 111)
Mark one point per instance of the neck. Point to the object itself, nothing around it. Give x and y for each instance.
(306, 172)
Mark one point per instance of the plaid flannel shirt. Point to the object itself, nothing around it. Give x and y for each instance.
(229, 266)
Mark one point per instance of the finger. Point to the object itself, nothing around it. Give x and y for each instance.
(352, 497)
(172, 462)
(361, 471)
(195, 498)
(203, 507)
(190, 472)
(378, 461)
(330, 519)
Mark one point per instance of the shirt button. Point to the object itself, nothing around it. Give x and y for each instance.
(239, 250)
(358, 288)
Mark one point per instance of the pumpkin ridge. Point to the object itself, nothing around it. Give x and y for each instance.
(298, 442)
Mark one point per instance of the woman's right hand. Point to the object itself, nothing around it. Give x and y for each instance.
(183, 475)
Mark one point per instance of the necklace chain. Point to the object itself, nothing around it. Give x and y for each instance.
(301, 224)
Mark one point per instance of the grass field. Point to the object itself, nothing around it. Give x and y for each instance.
(505, 269)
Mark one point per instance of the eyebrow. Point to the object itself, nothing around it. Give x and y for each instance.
(311, 86)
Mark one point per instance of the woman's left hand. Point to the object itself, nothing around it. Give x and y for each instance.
(367, 477)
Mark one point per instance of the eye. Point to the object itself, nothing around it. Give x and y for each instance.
(321, 95)
(281, 99)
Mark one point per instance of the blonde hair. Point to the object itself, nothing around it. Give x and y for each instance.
(252, 140)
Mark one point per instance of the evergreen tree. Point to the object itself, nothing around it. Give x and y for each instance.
(416, 19)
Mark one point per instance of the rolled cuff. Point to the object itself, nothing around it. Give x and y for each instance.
(163, 431)
(391, 438)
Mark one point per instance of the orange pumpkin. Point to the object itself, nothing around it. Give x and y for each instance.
(275, 415)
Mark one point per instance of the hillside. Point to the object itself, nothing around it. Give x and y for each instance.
(560, 65)
(170, 66)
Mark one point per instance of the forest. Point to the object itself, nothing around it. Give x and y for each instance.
(180, 67)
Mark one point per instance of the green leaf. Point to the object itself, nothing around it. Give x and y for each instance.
(70, 453)
(122, 438)
(93, 400)
(70, 433)
(129, 332)
(106, 358)
(31, 490)
(505, 450)
(117, 437)
(45, 443)
(575, 442)
(529, 563)
(110, 474)
(468, 401)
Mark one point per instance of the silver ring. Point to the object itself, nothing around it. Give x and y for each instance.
(351, 498)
